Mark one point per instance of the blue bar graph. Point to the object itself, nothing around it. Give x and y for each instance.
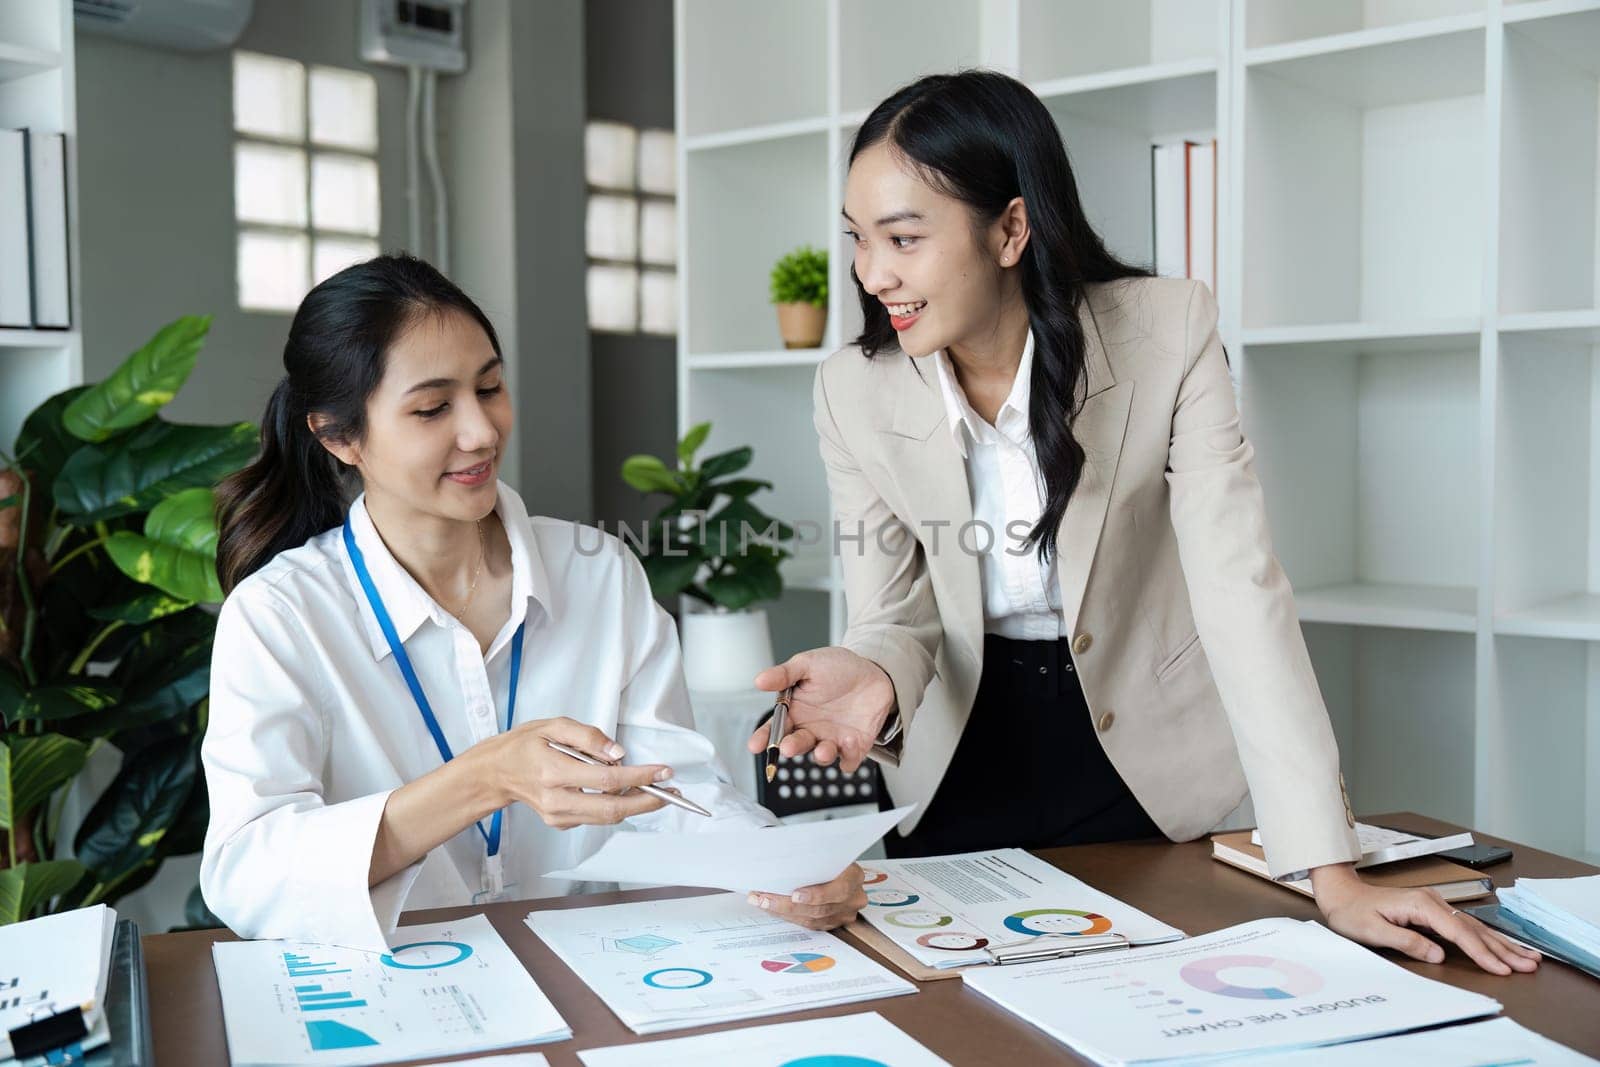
(331, 1006)
(308, 989)
(300, 966)
(312, 998)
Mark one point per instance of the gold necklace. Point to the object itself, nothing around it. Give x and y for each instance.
(483, 551)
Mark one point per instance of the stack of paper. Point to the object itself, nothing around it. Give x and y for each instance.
(1498, 1042)
(1380, 845)
(954, 911)
(845, 1041)
(669, 964)
(1566, 907)
(1267, 986)
(444, 988)
(53, 973)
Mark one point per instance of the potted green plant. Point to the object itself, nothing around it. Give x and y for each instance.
(800, 293)
(107, 560)
(710, 544)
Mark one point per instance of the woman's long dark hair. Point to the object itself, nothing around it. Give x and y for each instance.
(333, 361)
(985, 139)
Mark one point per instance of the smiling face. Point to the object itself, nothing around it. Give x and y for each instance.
(940, 273)
(438, 422)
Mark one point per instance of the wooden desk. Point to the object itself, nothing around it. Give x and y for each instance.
(1179, 884)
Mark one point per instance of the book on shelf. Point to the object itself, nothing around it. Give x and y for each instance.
(1451, 880)
(16, 310)
(47, 230)
(1184, 210)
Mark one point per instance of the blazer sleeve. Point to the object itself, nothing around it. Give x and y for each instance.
(893, 616)
(1245, 614)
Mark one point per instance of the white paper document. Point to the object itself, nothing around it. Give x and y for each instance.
(1268, 985)
(444, 988)
(53, 964)
(773, 859)
(1497, 1043)
(508, 1059)
(669, 964)
(952, 911)
(867, 1040)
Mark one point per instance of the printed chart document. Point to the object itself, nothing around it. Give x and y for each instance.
(669, 964)
(773, 859)
(1497, 1043)
(867, 1040)
(1268, 985)
(52, 965)
(952, 911)
(444, 988)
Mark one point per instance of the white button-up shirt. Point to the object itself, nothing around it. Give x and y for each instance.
(312, 726)
(1021, 597)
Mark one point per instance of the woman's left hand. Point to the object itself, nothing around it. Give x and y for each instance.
(1387, 918)
(819, 907)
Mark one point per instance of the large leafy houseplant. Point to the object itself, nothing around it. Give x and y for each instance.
(107, 557)
(708, 542)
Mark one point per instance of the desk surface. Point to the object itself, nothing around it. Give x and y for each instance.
(1179, 884)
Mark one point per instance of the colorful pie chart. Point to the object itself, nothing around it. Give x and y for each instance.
(918, 919)
(891, 898)
(1068, 921)
(678, 978)
(798, 963)
(872, 877)
(1251, 977)
(953, 941)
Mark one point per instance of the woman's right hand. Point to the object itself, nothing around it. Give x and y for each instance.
(552, 783)
(839, 705)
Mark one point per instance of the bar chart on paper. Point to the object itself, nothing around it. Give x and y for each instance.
(443, 988)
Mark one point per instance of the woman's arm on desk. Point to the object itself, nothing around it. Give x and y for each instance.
(1388, 918)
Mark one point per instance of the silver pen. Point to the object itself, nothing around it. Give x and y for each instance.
(777, 726)
(655, 791)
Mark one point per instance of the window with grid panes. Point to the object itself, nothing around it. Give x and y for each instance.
(305, 178)
(631, 229)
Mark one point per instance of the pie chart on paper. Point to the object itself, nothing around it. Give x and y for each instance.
(798, 963)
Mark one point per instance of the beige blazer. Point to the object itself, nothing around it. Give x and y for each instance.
(1185, 636)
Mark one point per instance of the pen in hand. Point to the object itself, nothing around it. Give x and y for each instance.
(655, 791)
(777, 726)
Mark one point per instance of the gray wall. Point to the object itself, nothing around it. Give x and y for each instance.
(156, 204)
(629, 80)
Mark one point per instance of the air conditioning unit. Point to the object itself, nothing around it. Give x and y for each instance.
(189, 25)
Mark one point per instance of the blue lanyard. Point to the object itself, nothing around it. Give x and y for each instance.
(491, 837)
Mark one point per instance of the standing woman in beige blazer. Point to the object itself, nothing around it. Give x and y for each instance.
(1066, 620)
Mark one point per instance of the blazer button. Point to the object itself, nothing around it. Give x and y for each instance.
(1082, 644)
(1107, 720)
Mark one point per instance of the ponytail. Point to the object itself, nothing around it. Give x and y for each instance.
(293, 491)
(333, 360)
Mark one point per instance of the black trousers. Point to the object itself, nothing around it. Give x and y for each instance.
(1028, 771)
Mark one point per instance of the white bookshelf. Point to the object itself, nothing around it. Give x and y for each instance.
(1409, 265)
(37, 91)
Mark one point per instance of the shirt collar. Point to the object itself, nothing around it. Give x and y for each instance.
(965, 422)
(409, 605)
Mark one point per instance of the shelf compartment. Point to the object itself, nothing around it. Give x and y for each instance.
(1547, 507)
(1549, 174)
(887, 44)
(1401, 703)
(770, 411)
(1068, 38)
(1538, 740)
(748, 205)
(1408, 607)
(1108, 133)
(1333, 24)
(1359, 169)
(775, 53)
(31, 375)
(1368, 457)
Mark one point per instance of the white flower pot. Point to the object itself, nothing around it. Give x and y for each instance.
(723, 651)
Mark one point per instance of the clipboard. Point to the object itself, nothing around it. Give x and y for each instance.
(1043, 947)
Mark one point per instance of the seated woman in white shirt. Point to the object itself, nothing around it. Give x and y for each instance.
(385, 682)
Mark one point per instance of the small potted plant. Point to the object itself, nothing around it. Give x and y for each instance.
(709, 543)
(800, 292)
